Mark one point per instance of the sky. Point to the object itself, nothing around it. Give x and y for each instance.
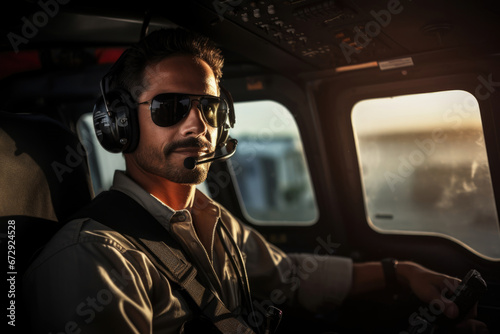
(263, 117)
(446, 109)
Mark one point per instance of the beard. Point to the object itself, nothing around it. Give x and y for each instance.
(161, 163)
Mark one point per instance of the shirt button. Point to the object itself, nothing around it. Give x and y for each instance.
(181, 218)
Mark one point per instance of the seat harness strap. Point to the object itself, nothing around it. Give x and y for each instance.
(145, 232)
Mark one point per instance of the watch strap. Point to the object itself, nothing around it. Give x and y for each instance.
(389, 268)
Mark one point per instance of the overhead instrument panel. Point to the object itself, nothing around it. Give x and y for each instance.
(324, 33)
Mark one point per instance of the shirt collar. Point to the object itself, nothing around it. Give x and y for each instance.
(161, 211)
(158, 210)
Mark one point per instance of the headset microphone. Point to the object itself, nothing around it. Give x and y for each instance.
(230, 148)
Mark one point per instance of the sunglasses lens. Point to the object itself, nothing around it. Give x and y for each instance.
(169, 109)
(214, 110)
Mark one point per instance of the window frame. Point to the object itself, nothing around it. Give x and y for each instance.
(375, 226)
(297, 98)
(347, 179)
(239, 195)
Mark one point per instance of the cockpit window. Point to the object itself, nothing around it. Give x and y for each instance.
(269, 167)
(424, 168)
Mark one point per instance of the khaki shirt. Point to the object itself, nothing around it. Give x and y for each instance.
(90, 279)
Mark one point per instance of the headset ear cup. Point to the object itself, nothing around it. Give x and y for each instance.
(104, 127)
(116, 126)
(132, 128)
(223, 135)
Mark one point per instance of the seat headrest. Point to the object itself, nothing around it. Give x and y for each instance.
(43, 168)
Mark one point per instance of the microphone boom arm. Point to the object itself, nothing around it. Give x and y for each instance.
(230, 146)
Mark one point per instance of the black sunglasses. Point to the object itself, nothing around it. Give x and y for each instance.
(168, 109)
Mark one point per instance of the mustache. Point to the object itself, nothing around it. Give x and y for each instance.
(190, 142)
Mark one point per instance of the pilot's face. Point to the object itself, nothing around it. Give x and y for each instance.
(162, 150)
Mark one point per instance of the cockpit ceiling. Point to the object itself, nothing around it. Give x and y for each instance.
(331, 33)
(299, 34)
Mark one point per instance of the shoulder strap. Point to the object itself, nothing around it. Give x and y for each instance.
(124, 215)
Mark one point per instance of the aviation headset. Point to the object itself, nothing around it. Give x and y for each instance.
(115, 116)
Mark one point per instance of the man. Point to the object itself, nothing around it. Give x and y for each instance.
(92, 279)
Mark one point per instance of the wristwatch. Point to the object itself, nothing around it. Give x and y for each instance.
(389, 269)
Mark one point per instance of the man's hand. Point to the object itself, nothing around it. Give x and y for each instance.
(431, 288)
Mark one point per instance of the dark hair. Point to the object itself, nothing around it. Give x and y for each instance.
(158, 45)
